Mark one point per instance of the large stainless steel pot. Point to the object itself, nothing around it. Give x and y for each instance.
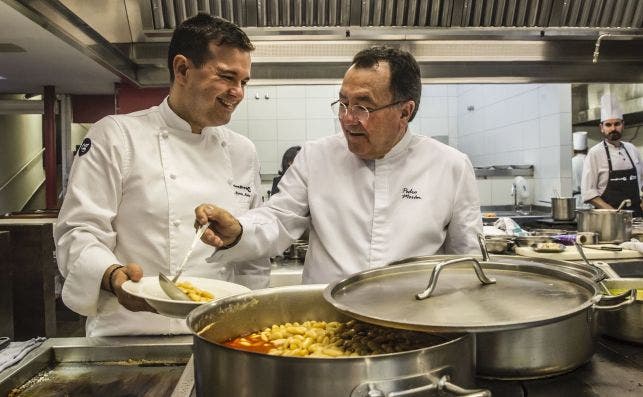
(223, 371)
(612, 226)
(535, 321)
(562, 208)
(626, 324)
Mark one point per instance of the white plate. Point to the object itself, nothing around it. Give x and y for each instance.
(150, 290)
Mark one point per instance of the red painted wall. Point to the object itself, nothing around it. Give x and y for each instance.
(91, 108)
(130, 99)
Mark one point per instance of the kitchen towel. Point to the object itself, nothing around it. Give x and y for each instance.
(17, 350)
(509, 226)
(633, 244)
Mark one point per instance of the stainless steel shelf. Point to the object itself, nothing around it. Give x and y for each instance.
(504, 170)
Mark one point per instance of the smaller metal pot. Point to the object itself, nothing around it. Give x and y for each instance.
(562, 208)
(498, 244)
(626, 324)
(612, 226)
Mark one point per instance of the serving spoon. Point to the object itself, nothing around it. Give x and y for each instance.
(169, 286)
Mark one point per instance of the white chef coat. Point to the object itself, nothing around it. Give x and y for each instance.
(420, 199)
(131, 198)
(596, 169)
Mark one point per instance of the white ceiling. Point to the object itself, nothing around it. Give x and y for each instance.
(47, 61)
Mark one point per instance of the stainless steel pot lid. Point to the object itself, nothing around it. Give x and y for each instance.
(576, 268)
(523, 295)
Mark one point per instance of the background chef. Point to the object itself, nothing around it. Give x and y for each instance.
(579, 143)
(374, 194)
(612, 169)
(137, 177)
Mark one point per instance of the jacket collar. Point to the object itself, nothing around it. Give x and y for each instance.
(175, 122)
(399, 147)
(172, 119)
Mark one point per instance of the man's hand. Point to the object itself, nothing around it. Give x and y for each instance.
(113, 280)
(224, 231)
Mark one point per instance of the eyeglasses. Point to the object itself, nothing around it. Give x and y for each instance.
(615, 124)
(359, 112)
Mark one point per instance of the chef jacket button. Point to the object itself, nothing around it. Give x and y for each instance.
(223, 144)
(164, 134)
(176, 222)
(172, 176)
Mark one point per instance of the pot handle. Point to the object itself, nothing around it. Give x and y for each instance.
(371, 389)
(629, 296)
(483, 247)
(438, 268)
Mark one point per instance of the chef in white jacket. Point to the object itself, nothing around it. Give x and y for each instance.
(128, 210)
(612, 170)
(376, 194)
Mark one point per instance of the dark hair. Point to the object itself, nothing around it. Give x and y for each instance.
(193, 36)
(406, 82)
(289, 156)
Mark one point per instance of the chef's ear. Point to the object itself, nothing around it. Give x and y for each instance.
(180, 66)
(407, 109)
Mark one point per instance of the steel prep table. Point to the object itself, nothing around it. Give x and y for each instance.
(139, 365)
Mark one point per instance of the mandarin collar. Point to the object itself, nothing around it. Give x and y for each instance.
(175, 122)
(399, 147)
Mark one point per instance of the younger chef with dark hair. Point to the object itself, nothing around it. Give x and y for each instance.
(137, 176)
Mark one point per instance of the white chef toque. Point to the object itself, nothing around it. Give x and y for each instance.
(579, 139)
(610, 108)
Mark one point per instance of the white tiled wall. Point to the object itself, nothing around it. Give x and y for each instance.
(493, 124)
(278, 117)
(517, 124)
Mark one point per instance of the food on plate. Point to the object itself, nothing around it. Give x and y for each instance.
(489, 215)
(331, 339)
(618, 291)
(549, 247)
(194, 293)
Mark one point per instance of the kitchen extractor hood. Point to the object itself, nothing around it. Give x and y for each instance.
(587, 102)
(314, 40)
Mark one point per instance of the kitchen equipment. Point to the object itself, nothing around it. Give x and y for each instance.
(577, 268)
(587, 238)
(531, 241)
(114, 366)
(171, 290)
(499, 244)
(612, 226)
(562, 208)
(534, 321)
(293, 251)
(626, 324)
(169, 286)
(149, 289)
(224, 371)
(4, 342)
(614, 248)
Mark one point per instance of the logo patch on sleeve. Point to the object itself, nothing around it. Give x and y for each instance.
(85, 146)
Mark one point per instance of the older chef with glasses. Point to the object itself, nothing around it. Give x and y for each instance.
(612, 168)
(376, 194)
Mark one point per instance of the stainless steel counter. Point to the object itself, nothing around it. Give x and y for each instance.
(160, 363)
(286, 272)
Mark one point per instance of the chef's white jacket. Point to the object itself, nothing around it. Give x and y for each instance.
(420, 199)
(132, 191)
(596, 169)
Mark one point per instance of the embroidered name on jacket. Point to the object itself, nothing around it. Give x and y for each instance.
(410, 193)
(241, 190)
